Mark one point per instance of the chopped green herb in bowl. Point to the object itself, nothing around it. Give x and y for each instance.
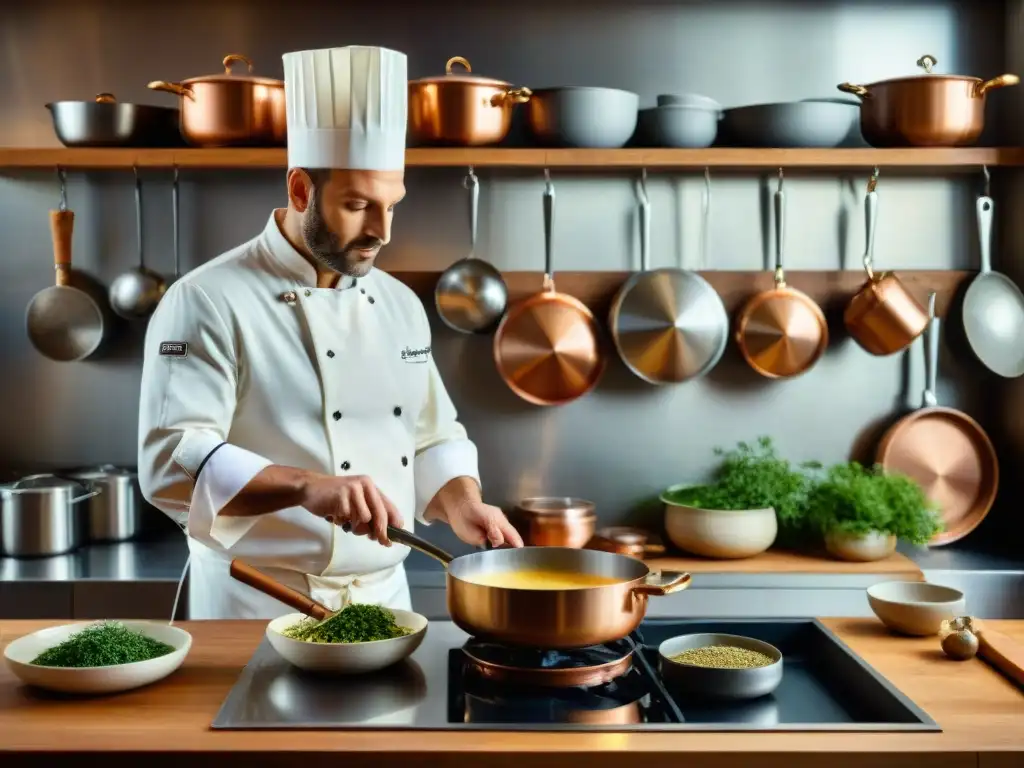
(356, 623)
(103, 645)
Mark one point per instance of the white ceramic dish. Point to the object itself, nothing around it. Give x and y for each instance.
(347, 658)
(719, 533)
(860, 548)
(915, 607)
(95, 680)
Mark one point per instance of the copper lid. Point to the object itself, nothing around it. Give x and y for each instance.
(227, 76)
(461, 77)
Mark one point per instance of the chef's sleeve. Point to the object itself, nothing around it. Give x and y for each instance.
(443, 449)
(187, 469)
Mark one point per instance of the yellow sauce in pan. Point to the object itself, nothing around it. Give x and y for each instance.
(536, 578)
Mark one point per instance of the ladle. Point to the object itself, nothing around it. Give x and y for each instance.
(135, 294)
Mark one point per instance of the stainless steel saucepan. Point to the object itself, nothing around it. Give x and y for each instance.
(471, 294)
(547, 618)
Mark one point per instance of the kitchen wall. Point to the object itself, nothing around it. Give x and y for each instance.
(627, 440)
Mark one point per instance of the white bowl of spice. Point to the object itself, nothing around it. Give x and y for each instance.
(98, 657)
(720, 666)
(358, 639)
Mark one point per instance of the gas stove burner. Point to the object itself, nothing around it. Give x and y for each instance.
(595, 665)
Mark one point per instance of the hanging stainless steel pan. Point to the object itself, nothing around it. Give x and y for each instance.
(548, 346)
(669, 325)
(471, 294)
(607, 601)
(64, 323)
(994, 308)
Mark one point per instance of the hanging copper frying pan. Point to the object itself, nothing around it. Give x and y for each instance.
(548, 346)
(781, 332)
(944, 451)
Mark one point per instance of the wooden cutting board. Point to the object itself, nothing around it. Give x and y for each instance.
(1003, 653)
(782, 561)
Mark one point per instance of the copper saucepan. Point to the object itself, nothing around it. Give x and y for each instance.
(548, 347)
(227, 110)
(781, 332)
(547, 618)
(926, 110)
(624, 540)
(554, 521)
(460, 108)
(883, 317)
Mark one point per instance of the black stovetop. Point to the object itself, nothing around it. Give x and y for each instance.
(825, 686)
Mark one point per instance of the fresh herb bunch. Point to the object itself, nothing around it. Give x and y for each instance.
(753, 476)
(103, 645)
(355, 623)
(855, 499)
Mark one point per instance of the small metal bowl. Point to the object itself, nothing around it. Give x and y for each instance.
(717, 683)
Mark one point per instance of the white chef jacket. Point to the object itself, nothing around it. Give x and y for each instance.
(248, 363)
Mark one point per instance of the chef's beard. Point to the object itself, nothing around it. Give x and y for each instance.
(328, 249)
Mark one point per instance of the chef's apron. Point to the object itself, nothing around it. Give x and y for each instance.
(213, 594)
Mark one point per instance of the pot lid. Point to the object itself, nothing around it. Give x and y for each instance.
(44, 482)
(926, 63)
(461, 77)
(101, 471)
(227, 76)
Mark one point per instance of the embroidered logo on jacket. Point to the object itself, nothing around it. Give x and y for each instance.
(416, 355)
(174, 348)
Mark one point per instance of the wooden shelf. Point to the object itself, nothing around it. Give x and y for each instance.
(916, 160)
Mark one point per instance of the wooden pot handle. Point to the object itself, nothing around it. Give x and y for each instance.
(62, 226)
(292, 598)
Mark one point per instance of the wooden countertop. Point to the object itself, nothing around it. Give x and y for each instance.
(981, 714)
(778, 561)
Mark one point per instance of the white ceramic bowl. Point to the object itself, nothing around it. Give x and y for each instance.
(719, 533)
(347, 658)
(860, 547)
(96, 680)
(915, 607)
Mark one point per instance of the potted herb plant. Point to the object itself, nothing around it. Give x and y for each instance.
(863, 511)
(755, 497)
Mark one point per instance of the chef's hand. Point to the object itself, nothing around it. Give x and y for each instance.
(477, 523)
(353, 500)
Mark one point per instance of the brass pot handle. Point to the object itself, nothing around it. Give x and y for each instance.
(664, 583)
(456, 60)
(1003, 81)
(176, 88)
(105, 98)
(856, 90)
(511, 96)
(231, 58)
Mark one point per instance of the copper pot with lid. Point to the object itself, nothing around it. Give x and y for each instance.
(461, 109)
(928, 110)
(624, 540)
(228, 110)
(554, 521)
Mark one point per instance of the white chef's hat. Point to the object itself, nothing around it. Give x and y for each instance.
(347, 108)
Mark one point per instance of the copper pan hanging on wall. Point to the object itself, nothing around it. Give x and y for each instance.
(548, 346)
(944, 451)
(781, 332)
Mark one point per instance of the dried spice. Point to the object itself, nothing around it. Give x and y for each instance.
(723, 657)
(103, 645)
(356, 623)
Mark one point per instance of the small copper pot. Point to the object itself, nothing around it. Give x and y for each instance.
(925, 110)
(622, 540)
(549, 521)
(883, 317)
(461, 109)
(228, 110)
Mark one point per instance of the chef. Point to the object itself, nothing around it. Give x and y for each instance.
(288, 386)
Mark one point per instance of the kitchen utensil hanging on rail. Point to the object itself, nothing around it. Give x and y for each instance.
(134, 294)
(606, 602)
(883, 317)
(993, 311)
(944, 451)
(64, 323)
(781, 332)
(471, 295)
(668, 325)
(548, 346)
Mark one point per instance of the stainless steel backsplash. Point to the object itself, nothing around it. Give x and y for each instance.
(626, 441)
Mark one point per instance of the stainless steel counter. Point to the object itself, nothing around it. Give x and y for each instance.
(139, 580)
